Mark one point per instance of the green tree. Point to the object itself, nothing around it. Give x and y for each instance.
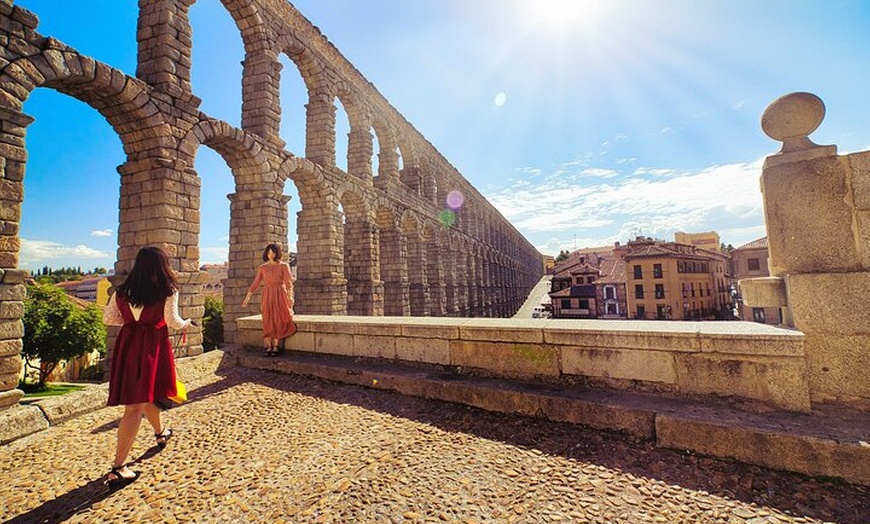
(212, 324)
(57, 330)
(563, 255)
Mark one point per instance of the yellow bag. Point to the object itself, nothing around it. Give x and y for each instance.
(180, 392)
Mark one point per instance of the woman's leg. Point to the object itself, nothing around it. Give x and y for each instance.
(152, 413)
(127, 430)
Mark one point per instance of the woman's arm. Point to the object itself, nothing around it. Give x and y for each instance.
(170, 313)
(254, 286)
(288, 284)
(111, 314)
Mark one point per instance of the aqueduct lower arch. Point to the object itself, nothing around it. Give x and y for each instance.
(368, 243)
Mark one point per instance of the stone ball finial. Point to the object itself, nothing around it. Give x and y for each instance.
(791, 118)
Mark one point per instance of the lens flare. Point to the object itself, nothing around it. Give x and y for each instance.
(447, 218)
(455, 199)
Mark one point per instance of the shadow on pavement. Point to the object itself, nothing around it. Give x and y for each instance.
(792, 493)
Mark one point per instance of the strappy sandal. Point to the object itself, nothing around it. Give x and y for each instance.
(272, 352)
(120, 481)
(163, 437)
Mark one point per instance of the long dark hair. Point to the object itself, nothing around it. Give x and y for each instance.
(151, 279)
(274, 248)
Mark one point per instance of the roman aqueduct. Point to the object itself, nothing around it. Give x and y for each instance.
(369, 243)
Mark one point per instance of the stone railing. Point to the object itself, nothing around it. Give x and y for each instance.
(728, 359)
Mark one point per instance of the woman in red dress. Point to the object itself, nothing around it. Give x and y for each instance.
(277, 301)
(143, 365)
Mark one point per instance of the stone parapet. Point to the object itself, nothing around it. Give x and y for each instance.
(735, 359)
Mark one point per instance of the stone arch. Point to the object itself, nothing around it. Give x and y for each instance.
(258, 211)
(123, 101)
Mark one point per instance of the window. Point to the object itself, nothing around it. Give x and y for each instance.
(693, 289)
(611, 308)
(657, 271)
(641, 312)
(754, 264)
(638, 291)
(590, 280)
(610, 293)
(584, 303)
(566, 303)
(638, 272)
(758, 314)
(660, 291)
(661, 311)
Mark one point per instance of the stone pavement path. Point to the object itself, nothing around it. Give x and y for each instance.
(255, 446)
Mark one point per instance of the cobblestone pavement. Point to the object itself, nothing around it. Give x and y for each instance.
(256, 446)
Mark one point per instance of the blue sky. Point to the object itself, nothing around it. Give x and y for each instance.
(583, 122)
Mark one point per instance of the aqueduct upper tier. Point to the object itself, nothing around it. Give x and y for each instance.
(369, 243)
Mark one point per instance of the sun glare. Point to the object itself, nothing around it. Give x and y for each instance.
(563, 14)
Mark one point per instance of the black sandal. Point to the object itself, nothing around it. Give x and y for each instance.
(272, 352)
(120, 481)
(165, 435)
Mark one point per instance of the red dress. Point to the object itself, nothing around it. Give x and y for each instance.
(274, 304)
(143, 365)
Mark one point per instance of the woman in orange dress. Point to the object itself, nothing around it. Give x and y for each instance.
(277, 300)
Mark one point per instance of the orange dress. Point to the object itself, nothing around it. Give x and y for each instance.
(274, 304)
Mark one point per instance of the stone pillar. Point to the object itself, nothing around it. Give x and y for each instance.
(817, 213)
(261, 96)
(461, 281)
(411, 177)
(448, 265)
(394, 271)
(359, 153)
(365, 291)
(388, 162)
(159, 206)
(321, 288)
(13, 158)
(435, 276)
(419, 287)
(165, 41)
(320, 129)
(257, 218)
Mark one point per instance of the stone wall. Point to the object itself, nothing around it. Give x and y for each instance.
(742, 360)
(368, 243)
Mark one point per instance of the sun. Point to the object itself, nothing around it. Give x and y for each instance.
(563, 14)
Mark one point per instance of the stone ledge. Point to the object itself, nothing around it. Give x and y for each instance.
(25, 419)
(805, 454)
(20, 421)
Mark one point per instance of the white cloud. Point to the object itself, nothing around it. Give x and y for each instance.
(620, 207)
(40, 252)
(102, 233)
(600, 173)
(214, 255)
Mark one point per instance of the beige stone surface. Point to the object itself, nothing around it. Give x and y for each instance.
(426, 350)
(333, 343)
(808, 455)
(629, 364)
(19, 421)
(829, 302)
(763, 292)
(838, 368)
(507, 359)
(817, 213)
(374, 346)
(778, 382)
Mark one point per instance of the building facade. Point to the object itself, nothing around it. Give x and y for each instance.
(590, 283)
(673, 281)
(750, 261)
